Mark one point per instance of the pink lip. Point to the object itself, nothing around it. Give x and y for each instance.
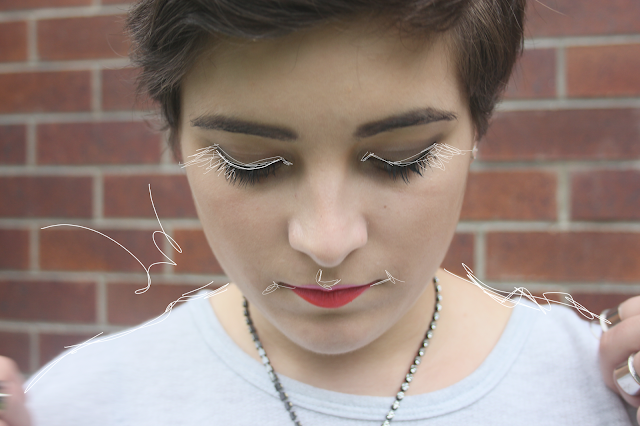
(334, 298)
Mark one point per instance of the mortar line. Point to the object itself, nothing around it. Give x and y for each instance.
(36, 65)
(101, 301)
(594, 40)
(563, 194)
(561, 73)
(98, 195)
(567, 104)
(32, 41)
(96, 90)
(479, 254)
(168, 249)
(32, 145)
(34, 248)
(34, 349)
(63, 12)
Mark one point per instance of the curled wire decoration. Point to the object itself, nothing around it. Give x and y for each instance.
(435, 155)
(214, 158)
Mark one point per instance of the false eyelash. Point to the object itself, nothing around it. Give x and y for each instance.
(435, 155)
(214, 158)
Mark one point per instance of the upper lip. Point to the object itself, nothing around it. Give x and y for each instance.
(316, 286)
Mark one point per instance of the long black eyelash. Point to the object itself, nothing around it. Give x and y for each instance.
(244, 177)
(403, 171)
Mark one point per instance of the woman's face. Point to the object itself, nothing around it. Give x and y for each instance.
(328, 209)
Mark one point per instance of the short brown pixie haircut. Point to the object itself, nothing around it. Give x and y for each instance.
(486, 38)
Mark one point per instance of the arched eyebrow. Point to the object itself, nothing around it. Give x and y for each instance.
(410, 118)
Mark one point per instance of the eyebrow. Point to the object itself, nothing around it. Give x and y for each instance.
(407, 119)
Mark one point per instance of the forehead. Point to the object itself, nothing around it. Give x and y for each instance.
(341, 71)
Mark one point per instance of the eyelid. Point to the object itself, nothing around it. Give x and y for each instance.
(435, 155)
(208, 155)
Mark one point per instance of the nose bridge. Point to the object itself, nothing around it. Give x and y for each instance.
(327, 224)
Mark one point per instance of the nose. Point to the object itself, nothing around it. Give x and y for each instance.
(327, 224)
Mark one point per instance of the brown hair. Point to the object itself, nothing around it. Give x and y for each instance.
(168, 36)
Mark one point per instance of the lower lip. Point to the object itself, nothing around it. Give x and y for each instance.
(332, 298)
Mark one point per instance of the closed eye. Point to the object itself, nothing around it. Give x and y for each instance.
(435, 155)
(214, 158)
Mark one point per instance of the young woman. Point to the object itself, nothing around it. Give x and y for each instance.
(327, 145)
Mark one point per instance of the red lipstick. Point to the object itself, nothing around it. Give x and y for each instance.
(334, 298)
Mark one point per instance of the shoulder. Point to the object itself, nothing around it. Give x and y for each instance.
(89, 383)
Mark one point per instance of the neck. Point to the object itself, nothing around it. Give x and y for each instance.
(469, 326)
(375, 368)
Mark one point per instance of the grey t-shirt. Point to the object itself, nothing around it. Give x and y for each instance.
(186, 370)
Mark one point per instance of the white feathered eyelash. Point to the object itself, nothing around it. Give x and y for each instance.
(214, 158)
(435, 155)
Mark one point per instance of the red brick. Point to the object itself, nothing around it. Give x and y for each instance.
(570, 256)
(546, 18)
(13, 148)
(16, 347)
(45, 196)
(82, 38)
(534, 75)
(64, 91)
(597, 302)
(605, 195)
(119, 91)
(56, 301)
(14, 249)
(98, 143)
(76, 249)
(128, 196)
(52, 345)
(460, 251)
(603, 71)
(607, 134)
(34, 4)
(510, 195)
(13, 41)
(196, 254)
(125, 307)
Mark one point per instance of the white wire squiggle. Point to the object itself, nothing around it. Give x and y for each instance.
(389, 278)
(327, 285)
(521, 292)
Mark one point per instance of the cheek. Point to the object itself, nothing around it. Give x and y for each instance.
(239, 223)
(417, 225)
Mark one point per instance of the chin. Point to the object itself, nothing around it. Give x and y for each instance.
(334, 339)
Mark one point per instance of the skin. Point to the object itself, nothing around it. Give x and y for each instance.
(331, 211)
(616, 345)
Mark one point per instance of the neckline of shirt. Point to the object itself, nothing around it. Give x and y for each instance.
(362, 407)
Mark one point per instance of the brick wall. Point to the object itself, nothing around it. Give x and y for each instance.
(553, 204)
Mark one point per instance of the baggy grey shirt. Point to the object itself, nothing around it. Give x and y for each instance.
(186, 370)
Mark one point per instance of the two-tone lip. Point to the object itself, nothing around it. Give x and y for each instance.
(330, 298)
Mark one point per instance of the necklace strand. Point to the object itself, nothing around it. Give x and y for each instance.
(403, 388)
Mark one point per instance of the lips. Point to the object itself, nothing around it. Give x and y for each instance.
(334, 298)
